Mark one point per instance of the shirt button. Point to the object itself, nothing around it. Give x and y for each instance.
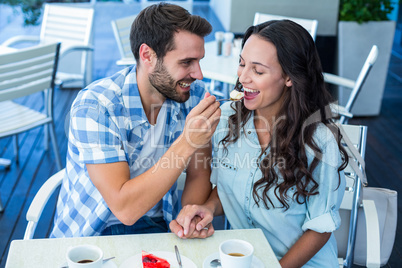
(246, 198)
(251, 174)
(141, 142)
(146, 124)
(249, 132)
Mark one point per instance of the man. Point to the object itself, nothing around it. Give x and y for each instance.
(131, 135)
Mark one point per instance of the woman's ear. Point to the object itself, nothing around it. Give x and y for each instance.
(147, 55)
(288, 82)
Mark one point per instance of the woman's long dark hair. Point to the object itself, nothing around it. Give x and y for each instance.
(306, 104)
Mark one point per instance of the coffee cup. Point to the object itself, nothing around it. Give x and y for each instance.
(84, 256)
(236, 253)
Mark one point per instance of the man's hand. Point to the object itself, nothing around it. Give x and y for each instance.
(201, 122)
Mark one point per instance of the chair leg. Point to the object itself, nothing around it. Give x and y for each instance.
(16, 149)
(54, 144)
(1, 206)
(46, 137)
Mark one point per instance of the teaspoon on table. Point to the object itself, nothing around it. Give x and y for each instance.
(104, 260)
(215, 263)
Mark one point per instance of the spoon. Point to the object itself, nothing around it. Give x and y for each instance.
(230, 99)
(104, 260)
(215, 263)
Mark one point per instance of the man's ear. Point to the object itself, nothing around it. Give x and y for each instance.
(147, 55)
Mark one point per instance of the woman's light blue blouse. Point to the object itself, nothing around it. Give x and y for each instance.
(236, 171)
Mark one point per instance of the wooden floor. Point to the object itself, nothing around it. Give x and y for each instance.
(19, 184)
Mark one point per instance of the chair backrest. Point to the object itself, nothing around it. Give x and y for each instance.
(308, 24)
(73, 27)
(28, 70)
(39, 202)
(352, 200)
(121, 29)
(67, 24)
(354, 85)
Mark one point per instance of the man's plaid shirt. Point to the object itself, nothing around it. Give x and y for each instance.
(107, 124)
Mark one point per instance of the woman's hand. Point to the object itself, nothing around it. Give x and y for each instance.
(193, 221)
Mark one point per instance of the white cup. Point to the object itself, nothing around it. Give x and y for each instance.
(235, 253)
(84, 256)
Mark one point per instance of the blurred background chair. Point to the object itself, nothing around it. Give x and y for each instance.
(308, 24)
(354, 86)
(25, 72)
(356, 136)
(72, 27)
(121, 30)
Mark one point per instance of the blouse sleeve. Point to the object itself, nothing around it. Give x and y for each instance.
(220, 132)
(323, 208)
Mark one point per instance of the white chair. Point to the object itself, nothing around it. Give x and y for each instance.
(355, 136)
(41, 198)
(39, 202)
(309, 24)
(355, 86)
(23, 73)
(121, 30)
(72, 26)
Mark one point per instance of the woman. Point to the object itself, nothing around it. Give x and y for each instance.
(277, 160)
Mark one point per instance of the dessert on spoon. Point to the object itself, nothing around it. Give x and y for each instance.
(234, 96)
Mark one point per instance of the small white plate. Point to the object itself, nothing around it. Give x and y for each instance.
(256, 263)
(136, 260)
(107, 264)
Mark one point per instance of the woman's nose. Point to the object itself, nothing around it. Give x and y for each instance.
(243, 76)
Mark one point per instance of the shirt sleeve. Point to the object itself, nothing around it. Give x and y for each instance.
(323, 208)
(95, 135)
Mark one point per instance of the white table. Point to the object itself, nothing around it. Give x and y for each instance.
(51, 252)
(219, 68)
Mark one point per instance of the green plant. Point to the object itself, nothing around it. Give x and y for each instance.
(32, 9)
(364, 10)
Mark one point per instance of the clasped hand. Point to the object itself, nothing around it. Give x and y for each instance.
(193, 221)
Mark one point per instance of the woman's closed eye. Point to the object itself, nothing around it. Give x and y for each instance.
(241, 63)
(257, 72)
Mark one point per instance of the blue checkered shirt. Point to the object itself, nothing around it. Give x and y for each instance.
(107, 124)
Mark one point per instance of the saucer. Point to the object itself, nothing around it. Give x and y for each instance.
(107, 264)
(256, 262)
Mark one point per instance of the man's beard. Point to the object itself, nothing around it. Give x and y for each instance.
(165, 84)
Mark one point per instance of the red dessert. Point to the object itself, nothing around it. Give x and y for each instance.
(151, 261)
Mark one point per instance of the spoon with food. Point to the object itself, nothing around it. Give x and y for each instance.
(234, 96)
